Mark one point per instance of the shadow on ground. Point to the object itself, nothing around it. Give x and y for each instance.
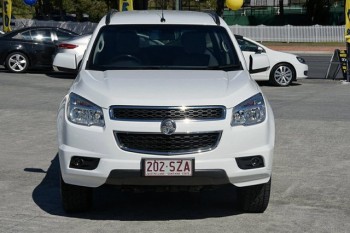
(267, 83)
(61, 75)
(112, 204)
(49, 73)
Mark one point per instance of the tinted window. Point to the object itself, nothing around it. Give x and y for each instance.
(163, 47)
(247, 45)
(26, 35)
(41, 35)
(63, 35)
(23, 35)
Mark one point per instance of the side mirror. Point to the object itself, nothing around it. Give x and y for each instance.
(258, 63)
(260, 50)
(65, 62)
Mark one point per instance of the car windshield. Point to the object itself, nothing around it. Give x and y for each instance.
(163, 47)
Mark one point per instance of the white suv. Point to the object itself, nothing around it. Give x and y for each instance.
(164, 100)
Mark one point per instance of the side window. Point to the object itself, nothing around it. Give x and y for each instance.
(243, 44)
(240, 43)
(247, 46)
(26, 35)
(41, 35)
(62, 35)
(23, 36)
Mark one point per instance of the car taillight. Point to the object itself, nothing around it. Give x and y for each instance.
(67, 46)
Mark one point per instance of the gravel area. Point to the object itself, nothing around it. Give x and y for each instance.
(306, 48)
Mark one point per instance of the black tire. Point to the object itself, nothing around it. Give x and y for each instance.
(17, 62)
(75, 198)
(282, 75)
(254, 199)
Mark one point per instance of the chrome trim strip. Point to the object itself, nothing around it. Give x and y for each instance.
(111, 108)
(182, 152)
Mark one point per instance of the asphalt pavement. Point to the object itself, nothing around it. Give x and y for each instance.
(318, 65)
(310, 184)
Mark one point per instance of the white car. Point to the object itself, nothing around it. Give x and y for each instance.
(284, 67)
(179, 114)
(75, 46)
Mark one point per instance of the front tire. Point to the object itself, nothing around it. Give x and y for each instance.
(75, 198)
(282, 75)
(254, 199)
(17, 62)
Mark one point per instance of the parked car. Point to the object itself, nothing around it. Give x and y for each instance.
(30, 47)
(284, 67)
(76, 46)
(181, 113)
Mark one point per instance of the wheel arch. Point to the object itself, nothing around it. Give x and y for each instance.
(287, 63)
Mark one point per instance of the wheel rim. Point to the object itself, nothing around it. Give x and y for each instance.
(17, 62)
(283, 75)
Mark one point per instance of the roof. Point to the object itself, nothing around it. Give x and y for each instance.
(38, 27)
(170, 16)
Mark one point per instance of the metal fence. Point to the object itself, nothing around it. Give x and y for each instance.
(78, 27)
(288, 33)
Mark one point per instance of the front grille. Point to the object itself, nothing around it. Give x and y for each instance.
(160, 113)
(167, 144)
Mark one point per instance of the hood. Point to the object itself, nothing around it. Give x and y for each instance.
(164, 87)
(280, 56)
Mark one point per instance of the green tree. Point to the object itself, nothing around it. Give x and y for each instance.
(94, 8)
(21, 10)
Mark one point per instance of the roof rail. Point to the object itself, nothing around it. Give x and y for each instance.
(215, 17)
(109, 14)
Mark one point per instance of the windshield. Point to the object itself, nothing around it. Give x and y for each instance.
(163, 47)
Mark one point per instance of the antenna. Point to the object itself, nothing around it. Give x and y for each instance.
(162, 19)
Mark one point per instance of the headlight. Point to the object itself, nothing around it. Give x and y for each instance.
(301, 60)
(250, 112)
(83, 112)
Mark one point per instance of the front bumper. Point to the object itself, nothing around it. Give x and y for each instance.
(120, 167)
(301, 71)
(200, 177)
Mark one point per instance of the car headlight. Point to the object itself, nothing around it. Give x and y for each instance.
(301, 60)
(250, 112)
(83, 112)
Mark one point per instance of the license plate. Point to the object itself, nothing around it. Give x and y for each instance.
(168, 167)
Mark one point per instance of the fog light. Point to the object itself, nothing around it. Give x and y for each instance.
(84, 163)
(77, 162)
(256, 161)
(250, 162)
